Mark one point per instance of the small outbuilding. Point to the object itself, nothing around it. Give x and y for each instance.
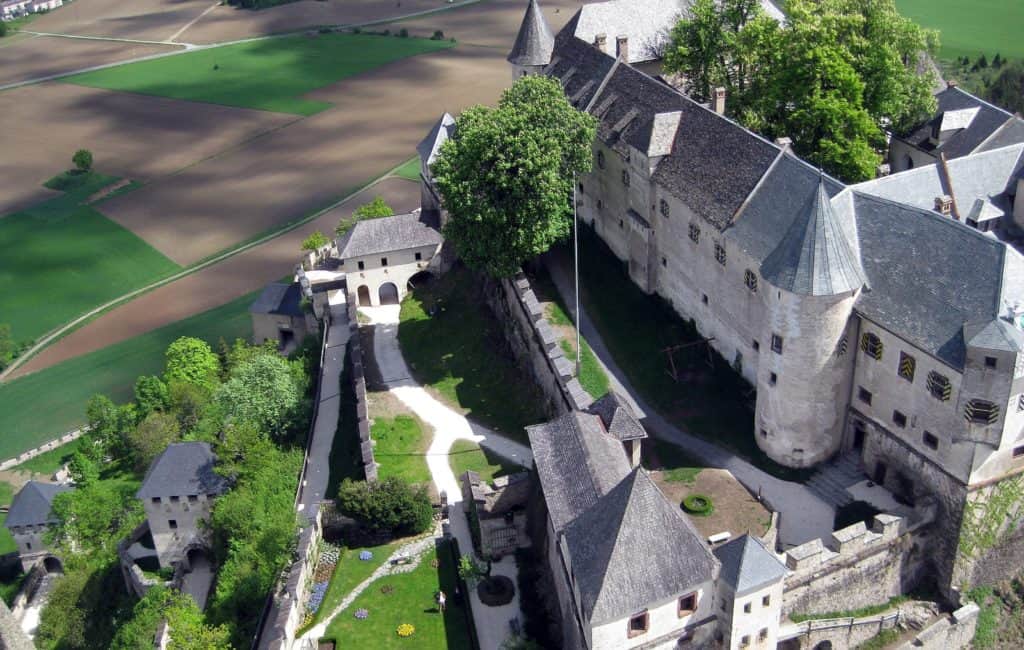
(498, 511)
(278, 315)
(28, 519)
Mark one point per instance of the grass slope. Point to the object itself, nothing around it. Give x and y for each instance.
(971, 28)
(400, 448)
(40, 406)
(61, 259)
(466, 455)
(268, 74)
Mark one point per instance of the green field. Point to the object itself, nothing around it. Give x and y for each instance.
(45, 404)
(970, 28)
(268, 74)
(61, 259)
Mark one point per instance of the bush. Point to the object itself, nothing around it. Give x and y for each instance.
(698, 504)
(438, 36)
(82, 160)
(391, 505)
(315, 241)
(404, 33)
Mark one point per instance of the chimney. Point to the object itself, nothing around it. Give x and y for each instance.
(601, 42)
(944, 205)
(882, 170)
(719, 102)
(622, 45)
(784, 142)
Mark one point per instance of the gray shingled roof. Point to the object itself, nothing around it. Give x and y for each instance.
(279, 298)
(577, 462)
(535, 41)
(747, 566)
(633, 548)
(430, 146)
(996, 334)
(183, 468)
(815, 258)
(387, 234)
(986, 121)
(618, 418)
(31, 505)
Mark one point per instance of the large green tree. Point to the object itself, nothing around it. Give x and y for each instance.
(191, 360)
(506, 178)
(831, 78)
(263, 391)
(188, 630)
(151, 437)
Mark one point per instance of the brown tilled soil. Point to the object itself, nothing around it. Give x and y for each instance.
(34, 57)
(214, 285)
(736, 511)
(134, 136)
(145, 20)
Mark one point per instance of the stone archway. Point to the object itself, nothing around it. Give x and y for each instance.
(363, 294)
(824, 645)
(422, 278)
(52, 564)
(388, 293)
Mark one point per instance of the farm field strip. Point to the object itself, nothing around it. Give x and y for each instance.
(971, 28)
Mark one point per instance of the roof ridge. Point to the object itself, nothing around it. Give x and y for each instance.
(980, 100)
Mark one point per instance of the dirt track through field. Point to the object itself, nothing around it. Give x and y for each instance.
(34, 57)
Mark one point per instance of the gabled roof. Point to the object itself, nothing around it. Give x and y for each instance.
(183, 468)
(279, 298)
(633, 548)
(995, 334)
(388, 234)
(31, 505)
(429, 147)
(577, 463)
(535, 41)
(747, 566)
(618, 418)
(815, 258)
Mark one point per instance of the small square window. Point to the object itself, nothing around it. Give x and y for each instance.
(383, 261)
(362, 266)
(1018, 452)
(990, 362)
(687, 605)
(419, 256)
(930, 441)
(192, 498)
(776, 344)
(757, 345)
(638, 624)
(747, 608)
(763, 634)
(766, 601)
(664, 262)
(704, 298)
(773, 378)
(175, 499)
(745, 641)
(864, 395)
(899, 419)
(173, 524)
(156, 500)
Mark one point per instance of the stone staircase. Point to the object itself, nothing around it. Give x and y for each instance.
(830, 482)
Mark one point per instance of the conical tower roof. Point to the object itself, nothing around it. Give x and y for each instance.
(535, 41)
(815, 257)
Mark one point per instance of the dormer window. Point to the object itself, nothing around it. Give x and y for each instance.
(871, 345)
(639, 624)
(687, 605)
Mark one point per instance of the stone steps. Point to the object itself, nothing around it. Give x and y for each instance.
(831, 481)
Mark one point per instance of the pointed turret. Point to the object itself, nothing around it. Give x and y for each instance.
(534, 44)
(815, 257)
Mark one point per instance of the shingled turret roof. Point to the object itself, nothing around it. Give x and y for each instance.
(183, 468)
(535, 41)
(747, 566)
(633, 548)
(815, 258)
(430, 146)
(31, 505)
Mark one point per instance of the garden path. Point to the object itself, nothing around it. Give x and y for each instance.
(802, 515)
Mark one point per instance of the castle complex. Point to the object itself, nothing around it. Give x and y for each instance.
(876, 320)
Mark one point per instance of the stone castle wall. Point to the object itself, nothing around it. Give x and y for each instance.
(358, 379)
(535, 344)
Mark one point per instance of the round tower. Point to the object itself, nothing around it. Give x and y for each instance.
(534, 44)
(813, 279)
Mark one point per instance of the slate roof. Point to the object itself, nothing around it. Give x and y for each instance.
(747, 566)
(815, 258)
(387, 234)
(996, 334)
(31, 505)
(534, 42)
(965, 138)
(430, 146)
(577, 463)
(279, 298)
(633, 548)
(183, 468)
(618, 418)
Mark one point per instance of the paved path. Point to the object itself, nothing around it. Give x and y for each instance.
(802, 515)
(492, 623)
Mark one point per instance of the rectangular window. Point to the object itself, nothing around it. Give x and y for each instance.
(766, 601)
(720, 254)
(763, 634)
(638, 624)
(990, 362)
(1020, 403)
(773, 378)
(1018, 452)
(745, 641)
(747, 608)
(899, 419)
(383, 261)
(687, 605)
(175, 499)
(173, 524)
(694, 233)
(930, 441)
(907, 366)
(621, 224)
(192, 498)
(362, 266)
(757, 345)
(939, 386)
(664, 262)
(776, 344)
(664, 208)
(704, 298)
(28, 545)
(625, 177)
(156, 499)
(864, 395)
(764, 433)
(419, 256)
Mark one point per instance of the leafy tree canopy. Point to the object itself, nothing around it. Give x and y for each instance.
(151, 437)
(8, 348)
(263, 391)
(92, 519)
(151, 394)
(375, 209)
(315, 241)
(506, 178)
(188, 630)
(830, 78)
(82, 160)
(391, 505)
(191, 360)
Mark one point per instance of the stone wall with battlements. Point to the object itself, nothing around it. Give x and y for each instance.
(358, 374)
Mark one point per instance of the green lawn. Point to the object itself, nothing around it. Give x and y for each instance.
(350, 571)
(713, 402)
(268, 74)
(971, 27)
(45, 404)
(410, 170)
(61, 259)
(677, 466)
(461, 353)
(400, 448)
(466, 455)
(411, 600)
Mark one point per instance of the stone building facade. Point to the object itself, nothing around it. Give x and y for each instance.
(29, 519)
